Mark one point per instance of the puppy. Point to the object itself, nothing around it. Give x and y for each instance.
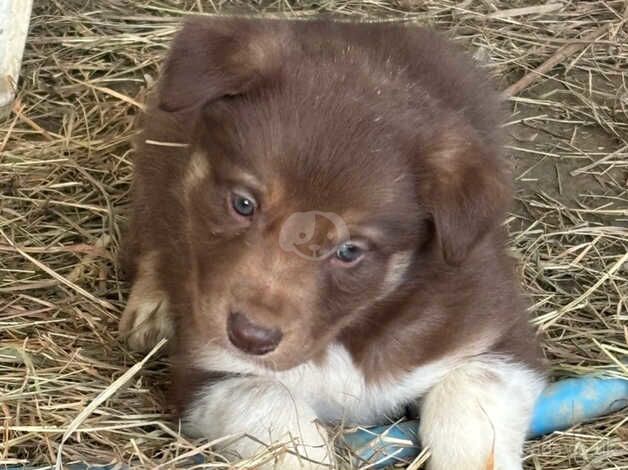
(317, 227)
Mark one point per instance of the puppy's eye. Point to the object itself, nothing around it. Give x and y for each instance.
(243, 205)
(348, 253)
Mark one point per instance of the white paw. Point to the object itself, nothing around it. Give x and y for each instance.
(269, 428)
(477, 416)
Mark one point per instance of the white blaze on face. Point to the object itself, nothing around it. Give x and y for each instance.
(198, 169)
(396, 269)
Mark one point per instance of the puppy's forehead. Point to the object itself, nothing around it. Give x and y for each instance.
(334, 166)
(324, 141)
(348, 187)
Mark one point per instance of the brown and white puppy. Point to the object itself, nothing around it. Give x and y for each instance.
(316, 224)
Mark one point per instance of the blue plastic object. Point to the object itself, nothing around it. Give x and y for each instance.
(572, 401)
(560, 406)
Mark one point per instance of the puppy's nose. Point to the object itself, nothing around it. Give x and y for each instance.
(250, 337)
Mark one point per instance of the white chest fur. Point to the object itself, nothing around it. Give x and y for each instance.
(336, 389)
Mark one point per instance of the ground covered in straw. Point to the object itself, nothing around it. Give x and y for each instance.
(69, 388)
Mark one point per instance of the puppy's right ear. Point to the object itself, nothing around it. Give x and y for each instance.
(215, 57)
(469, 187)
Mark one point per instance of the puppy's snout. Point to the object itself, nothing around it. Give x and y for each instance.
(250, 337)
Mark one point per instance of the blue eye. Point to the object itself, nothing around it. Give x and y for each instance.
(348, 252)
(243, 205)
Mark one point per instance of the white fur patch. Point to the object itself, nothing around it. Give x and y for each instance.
(272, 406)
(198, 169)
(479, 414)
(336, 389)
(398, 265)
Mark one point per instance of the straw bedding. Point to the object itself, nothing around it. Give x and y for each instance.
(69, 389)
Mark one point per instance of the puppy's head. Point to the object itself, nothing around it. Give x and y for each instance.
(311, 192)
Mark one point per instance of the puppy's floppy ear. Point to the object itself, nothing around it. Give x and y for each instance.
(215, 57)
(469, 189)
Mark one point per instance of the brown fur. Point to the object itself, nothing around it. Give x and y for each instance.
(389, 127)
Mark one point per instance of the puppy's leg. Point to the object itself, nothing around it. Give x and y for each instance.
(146, 318)
(260, 414)
(476, 418)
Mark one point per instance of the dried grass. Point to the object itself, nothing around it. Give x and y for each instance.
(64, 179)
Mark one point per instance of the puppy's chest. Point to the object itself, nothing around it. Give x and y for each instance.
(338, 391)
(335, 388)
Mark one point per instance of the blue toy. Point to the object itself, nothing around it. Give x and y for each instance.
(562, 405)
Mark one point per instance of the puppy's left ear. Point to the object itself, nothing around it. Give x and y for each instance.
(211, 58)
(469, 189)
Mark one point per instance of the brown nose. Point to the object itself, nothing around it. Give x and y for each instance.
(249, 337)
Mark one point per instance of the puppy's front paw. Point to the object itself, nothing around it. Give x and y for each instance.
(146, 318)
(476, 418)
(270, 428)
(145, 321)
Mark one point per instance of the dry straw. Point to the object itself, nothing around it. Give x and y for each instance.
(70, 389)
